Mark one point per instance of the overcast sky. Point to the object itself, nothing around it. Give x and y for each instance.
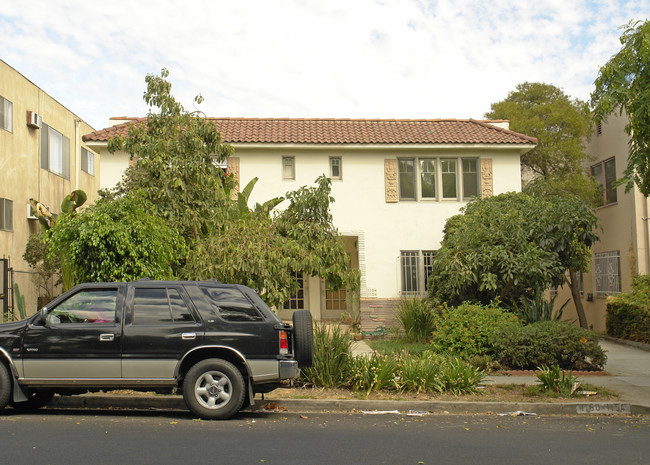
(310, 58)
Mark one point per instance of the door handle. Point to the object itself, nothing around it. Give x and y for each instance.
(188, 336)
(106, 337)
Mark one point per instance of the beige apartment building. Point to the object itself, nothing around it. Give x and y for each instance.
(42, 157)
(622, 252)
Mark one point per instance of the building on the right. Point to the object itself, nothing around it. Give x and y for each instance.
(623, 249)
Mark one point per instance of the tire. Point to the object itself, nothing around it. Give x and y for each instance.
(35, 400)
(214, 389)
(5, 386)
(303, 334)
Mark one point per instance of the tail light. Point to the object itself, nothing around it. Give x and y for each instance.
(284, 343)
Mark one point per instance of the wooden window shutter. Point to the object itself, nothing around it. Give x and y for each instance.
(45, 152)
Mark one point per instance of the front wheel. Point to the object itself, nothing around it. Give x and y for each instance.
(214, 389)
(5, 386)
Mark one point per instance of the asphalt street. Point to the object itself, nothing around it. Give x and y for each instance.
(103, 437)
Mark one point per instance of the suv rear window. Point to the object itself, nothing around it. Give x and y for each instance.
(231, 304)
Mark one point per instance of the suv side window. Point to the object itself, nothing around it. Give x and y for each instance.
(154, 306)
(87, 306)
(231, 304)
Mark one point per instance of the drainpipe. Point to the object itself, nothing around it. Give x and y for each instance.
(77, 153)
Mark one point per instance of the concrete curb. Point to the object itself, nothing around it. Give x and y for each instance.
(333, 405)
(625, 342)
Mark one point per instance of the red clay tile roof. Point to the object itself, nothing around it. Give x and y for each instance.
(346, 131)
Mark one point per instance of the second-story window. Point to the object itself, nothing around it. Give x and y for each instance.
(604, 173)
(6, 115)
(55, 152)
(87, 161)
(335, 168)
(438, 178)
(288, 168)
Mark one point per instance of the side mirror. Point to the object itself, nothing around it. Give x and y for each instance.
(42, 316)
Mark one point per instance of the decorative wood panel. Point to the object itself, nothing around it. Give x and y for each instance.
(390, 180)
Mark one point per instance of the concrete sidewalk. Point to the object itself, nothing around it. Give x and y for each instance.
(628, 368)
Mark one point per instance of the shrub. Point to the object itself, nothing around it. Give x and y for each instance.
(466, 330)
(420, 372)
(547, 343)
(537, 308)
(373, 372)
(459, 377)
(417, 317)
(555, 380)
(628, 314)
(331, 357)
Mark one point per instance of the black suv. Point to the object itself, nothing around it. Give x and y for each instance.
(218, 343)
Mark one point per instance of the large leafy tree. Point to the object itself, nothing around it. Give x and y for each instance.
(512, 246)
(116, 240)
(559, 123)
(175, 170)
(623, 84)
(265, 253)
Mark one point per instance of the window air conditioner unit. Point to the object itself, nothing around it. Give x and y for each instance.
(30, 213)
(34, 120)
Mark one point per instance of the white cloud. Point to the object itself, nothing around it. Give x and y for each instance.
(307, 58)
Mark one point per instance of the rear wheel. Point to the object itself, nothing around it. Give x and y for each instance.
(214, 389)
(5, 386)
(303, 333)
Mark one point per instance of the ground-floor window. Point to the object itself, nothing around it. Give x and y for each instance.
(415, 269)
(335, 300)
(297, 301)
(607, 272)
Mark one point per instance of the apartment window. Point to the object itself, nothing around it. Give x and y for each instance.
(435, 178)
(604, 173)
(55, 152)
(608, 273)
(335, 168)
(288, 168)
(6, 115)
(87, 161)
(428, 178)
(415, 268)
(406, 174)
(448, 168)
(6, 215)
(470, 178)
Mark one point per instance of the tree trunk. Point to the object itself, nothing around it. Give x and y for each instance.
(575, 293)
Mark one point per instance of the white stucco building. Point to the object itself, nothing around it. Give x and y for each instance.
(395, 183)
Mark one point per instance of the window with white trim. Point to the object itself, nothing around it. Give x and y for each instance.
(604, 173)
(87, 161)
(6, 115)
(415, 269)
(438, 178)
(607, 267)
(335, 168)
(288, 168)
(55, 152)
(6, 215)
